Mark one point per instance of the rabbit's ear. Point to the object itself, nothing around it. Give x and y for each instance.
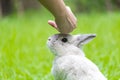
(84, 39)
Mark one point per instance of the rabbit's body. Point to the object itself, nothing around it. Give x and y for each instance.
(75, 67)
(70, 62)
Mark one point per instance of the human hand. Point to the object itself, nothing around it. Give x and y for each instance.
(65, 23)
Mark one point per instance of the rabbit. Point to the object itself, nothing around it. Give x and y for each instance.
(70, 62)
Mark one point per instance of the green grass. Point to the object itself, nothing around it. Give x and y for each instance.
(23, 51)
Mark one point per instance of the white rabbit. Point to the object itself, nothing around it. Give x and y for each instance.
(70, 62)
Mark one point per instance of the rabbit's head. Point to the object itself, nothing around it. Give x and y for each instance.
(61, 44)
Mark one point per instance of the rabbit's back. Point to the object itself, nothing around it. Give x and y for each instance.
(75, 67)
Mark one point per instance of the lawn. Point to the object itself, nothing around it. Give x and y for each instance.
(25, 56)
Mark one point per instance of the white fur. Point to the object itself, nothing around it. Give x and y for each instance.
(70, 62)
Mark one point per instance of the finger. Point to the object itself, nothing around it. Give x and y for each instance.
(68, 8)
(73, 20)
(70, 12)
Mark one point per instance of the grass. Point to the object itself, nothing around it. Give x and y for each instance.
(23, 51)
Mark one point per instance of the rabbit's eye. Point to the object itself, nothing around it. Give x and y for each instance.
(64, 40)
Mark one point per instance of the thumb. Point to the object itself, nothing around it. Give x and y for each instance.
(53, 24)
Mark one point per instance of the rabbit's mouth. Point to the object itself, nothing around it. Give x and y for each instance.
(51, 47)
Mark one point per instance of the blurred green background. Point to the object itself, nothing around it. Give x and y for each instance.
(24, 32)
